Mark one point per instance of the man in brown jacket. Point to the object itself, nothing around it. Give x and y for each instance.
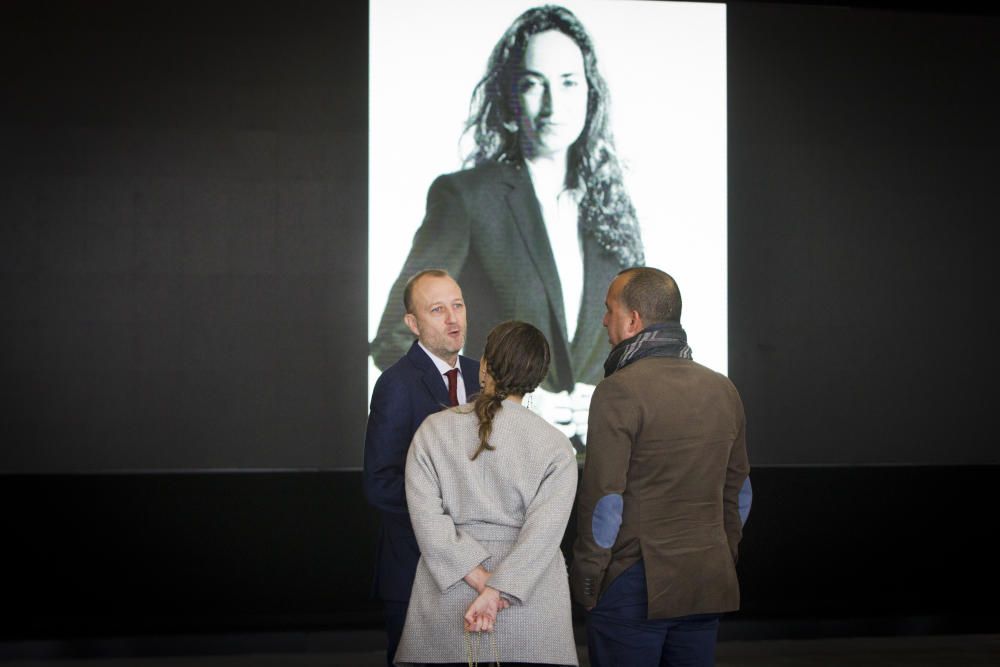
(658, 508)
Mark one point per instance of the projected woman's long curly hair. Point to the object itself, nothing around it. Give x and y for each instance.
(593, 168)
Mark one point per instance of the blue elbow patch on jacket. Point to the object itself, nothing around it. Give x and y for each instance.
(745, 500)
(607, 520)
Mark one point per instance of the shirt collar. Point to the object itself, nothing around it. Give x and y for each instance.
(440, 363)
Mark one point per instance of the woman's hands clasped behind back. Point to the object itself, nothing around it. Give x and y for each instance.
(481, 616)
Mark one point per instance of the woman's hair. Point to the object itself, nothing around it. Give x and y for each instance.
(606, 210)
(517, 358)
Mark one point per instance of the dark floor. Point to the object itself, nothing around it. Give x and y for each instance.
(924, 651)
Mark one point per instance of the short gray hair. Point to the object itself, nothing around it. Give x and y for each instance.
(651, 293)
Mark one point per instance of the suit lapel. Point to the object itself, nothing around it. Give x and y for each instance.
(528, 218)
(429, 375)
(590, 346)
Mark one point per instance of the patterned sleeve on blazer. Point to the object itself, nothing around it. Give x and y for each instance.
(448, 552)
(544, 525)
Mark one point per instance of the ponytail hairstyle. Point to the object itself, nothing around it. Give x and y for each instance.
(517, 358)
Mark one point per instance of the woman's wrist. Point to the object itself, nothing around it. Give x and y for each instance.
(489, 591)
(477, 578)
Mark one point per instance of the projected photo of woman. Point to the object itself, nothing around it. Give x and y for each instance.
(539, 222)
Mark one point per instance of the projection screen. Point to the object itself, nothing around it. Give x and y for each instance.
(664, 65)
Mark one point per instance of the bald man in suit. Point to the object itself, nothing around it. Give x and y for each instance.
(429, 377)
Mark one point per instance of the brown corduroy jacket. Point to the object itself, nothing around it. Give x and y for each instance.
(667, 435)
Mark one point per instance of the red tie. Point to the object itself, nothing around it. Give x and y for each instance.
(453, 386)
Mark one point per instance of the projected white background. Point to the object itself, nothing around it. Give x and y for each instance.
(665, 65)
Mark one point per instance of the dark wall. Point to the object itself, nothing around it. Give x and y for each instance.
(826, 552)
(862, 169)
(182, 257)
(107, 555)
(184, 238)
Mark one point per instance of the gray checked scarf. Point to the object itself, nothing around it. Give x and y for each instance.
(657, 340)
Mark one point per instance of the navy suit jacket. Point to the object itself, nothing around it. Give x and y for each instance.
(405, 394)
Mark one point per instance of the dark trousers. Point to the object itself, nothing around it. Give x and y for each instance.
(394, 612)
(620, 635)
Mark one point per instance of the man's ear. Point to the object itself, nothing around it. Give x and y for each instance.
(411, 322)
(635, 323)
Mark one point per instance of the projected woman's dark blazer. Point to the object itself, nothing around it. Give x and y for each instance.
(484, 226)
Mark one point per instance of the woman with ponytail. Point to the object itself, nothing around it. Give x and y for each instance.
(490, 486)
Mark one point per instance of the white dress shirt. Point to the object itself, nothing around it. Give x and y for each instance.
(561, 216)
(443, 368)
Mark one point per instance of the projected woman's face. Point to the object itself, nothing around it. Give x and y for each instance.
(552, 95)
